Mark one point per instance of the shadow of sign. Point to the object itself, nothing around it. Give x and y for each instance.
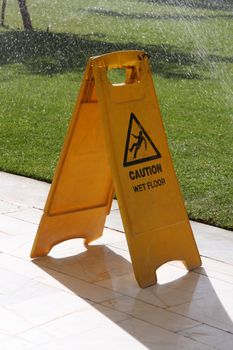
(183, 311)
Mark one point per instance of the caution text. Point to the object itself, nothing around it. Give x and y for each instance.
(146, 171)
(150, 185)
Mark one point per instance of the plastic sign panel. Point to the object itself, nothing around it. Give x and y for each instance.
(116, 142)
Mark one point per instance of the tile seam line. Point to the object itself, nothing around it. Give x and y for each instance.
(96, 282)
(113, 229)
(85, 281)
(23, 220)
(155, 306)
(211, 347)
(36, 326)
(214, 259)
(20, 204)
(206, 324)
(158, 325)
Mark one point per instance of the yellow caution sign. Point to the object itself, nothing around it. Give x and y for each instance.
(116, 141)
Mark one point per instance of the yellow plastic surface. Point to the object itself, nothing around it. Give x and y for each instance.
(117, 135)
(81, 193)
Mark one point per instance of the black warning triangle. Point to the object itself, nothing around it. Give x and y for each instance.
(139, 147)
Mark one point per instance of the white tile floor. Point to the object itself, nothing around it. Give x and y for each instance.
(79, 298)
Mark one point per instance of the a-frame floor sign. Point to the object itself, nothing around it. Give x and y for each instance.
(116, 143)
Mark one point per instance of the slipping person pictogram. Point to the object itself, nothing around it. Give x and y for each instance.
(137, 145)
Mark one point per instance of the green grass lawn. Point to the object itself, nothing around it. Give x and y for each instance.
(192, 64)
